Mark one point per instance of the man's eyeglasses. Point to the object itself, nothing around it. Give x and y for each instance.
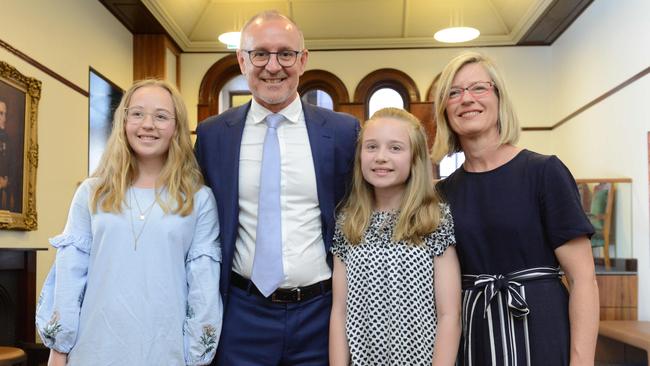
(477, 89)
(160, 118)
(260, 58)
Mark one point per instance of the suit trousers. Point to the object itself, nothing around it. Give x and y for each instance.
(258, 332)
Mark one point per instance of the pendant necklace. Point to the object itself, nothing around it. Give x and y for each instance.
(143, 214)
(143, 217)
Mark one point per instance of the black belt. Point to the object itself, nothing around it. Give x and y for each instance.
(283, 295)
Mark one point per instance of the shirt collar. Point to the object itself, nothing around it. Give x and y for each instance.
(291, 112)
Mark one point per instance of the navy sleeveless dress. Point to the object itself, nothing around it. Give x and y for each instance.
(508, 222)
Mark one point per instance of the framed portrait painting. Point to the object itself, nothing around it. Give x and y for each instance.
(19, 96)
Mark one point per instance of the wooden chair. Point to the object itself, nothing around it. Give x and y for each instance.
(600, 215)
(12, 356)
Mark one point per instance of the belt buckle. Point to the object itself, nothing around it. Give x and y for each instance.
(275, 297)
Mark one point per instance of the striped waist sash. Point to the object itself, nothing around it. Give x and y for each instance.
(511, 284)
(501, 316)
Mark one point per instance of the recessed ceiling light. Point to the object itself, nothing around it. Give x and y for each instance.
(456, 34)
(230, 39)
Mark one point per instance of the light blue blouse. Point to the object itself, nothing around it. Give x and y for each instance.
(106, 302)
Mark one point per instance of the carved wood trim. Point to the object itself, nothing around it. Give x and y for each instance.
(326, 81)
(213, 81)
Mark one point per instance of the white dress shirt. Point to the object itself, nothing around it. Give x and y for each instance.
(303, 251)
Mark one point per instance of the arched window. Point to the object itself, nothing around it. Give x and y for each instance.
(386, 82)
(450, 163)
(213, 82)
(322, 88)
(384, 97)
(318, 97)
(233, 93)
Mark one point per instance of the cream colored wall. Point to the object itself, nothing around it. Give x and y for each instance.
(68, 37)
(604, 47)
(522, 67)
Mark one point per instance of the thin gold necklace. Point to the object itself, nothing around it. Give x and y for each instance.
(143, 216)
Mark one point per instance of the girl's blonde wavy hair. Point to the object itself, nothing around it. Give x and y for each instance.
(419, 213)
(180, 175)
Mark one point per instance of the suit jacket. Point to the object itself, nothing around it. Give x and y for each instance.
(332, 137)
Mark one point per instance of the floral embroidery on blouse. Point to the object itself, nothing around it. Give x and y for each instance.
(208, 339)
(52, 328)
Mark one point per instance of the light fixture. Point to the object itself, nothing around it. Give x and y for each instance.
(456, 34)
(230, 39)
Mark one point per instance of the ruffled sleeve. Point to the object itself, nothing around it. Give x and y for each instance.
(59, 305)
(340, 244)
(443, 236)
(204, 308)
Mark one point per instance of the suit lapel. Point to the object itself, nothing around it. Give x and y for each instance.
(321, 140)
(231, 142)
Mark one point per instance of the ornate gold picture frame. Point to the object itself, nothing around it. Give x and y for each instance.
(19, 96)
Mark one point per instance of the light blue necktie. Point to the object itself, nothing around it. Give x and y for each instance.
(268, 272)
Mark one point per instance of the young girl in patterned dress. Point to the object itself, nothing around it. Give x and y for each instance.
(396, 280)
(136, 276)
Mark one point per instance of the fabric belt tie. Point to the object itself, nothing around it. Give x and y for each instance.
(511, 284)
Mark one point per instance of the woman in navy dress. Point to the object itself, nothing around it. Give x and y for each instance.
(518, 222)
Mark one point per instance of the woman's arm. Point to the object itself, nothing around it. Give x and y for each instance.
(338, 342)
(578, 264)
(57, 358)
(59, 305)
(204, 311)
(448, 292)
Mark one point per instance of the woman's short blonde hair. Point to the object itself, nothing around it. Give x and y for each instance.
(180, 175)
(446, 141)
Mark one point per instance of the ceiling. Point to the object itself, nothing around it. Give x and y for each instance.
(355, 24)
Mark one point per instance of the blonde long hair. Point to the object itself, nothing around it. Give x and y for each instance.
(446, 141)
(419, 212)
(180, 175)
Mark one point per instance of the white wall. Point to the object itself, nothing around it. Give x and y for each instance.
(605, 46)
(67, 37)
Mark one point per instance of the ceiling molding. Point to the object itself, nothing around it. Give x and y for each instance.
(555, 20)
(173, 29)
(537, 22)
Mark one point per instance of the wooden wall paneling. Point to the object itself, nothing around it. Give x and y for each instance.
(618, 313)
(618, 290)
(356, 109)
(618, 297)
(424, 112)
(148, 56)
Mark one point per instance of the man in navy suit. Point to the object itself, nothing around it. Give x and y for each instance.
(316, 153)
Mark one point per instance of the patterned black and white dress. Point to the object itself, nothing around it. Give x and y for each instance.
(391, 315)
